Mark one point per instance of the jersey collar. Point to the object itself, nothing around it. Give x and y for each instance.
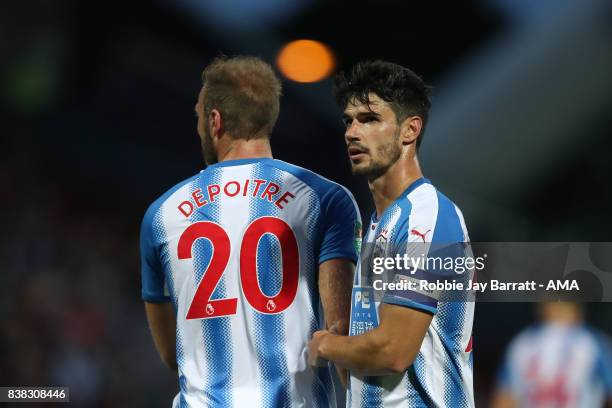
(408, 190)
(238, 162)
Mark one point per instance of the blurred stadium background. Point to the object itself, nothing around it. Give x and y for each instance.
(96, 101)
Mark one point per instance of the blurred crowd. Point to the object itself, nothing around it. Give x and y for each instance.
(71, 312)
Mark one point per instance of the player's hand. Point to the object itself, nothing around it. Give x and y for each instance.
(314, 358)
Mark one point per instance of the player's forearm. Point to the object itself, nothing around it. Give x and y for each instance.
(335, 283)
(340, 327)
(162, 323)
(367, 354)
(167, 352)
(171, 363)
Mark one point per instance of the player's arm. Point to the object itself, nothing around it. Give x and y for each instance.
(388, 349)
(162, 323)
(337, 258)
(335, 283)
(158, 306)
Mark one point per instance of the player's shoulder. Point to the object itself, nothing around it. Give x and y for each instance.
(159, 201)
(597, 338)
(529, 335)
(524, 340)
(323, 187)
(423, 196)
(426, 207)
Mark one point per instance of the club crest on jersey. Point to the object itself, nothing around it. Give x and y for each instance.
(381, 242)
(383, 235)
(270, 305)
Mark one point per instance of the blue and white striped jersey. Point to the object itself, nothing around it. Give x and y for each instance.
(236, 249)
(441, 375)
(560, 366)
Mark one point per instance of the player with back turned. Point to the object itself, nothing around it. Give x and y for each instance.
(407, 348)
(238, 259)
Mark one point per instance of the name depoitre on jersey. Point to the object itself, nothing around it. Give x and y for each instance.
(262, 189)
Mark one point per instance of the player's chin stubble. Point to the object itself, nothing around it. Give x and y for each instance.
(386, 156)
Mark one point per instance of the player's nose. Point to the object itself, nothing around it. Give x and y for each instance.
(352, 133)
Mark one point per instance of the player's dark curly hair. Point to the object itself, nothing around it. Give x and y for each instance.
(404, 90)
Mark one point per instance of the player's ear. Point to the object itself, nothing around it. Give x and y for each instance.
(215, 123)
(410, 129)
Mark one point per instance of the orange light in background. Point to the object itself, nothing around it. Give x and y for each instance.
(305, 61)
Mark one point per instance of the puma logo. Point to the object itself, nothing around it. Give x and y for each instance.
(419, 234)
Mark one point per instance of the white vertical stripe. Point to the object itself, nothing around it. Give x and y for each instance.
(234, 217)
(424, 210)
(466, 237)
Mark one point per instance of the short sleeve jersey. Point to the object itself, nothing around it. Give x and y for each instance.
(422, 222)
(236, 249)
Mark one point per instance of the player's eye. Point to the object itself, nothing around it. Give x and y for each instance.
(368, 119)
(347, 121)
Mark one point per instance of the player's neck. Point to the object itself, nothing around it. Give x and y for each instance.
(245, 149)
(564, 318)
(388, 187)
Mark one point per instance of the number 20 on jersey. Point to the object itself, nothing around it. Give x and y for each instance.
(202, 306)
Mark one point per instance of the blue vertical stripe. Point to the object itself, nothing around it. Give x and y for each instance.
(322, 384)
(216, 332)
(372, 393)
(415, 392)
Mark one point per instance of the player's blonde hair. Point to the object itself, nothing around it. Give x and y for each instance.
(246, 91)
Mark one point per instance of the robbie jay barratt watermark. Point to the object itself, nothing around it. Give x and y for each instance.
(406, 283)
(490, 271)
(434, 275)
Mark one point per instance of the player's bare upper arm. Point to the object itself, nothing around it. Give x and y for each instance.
(162, 322)
(402, 331)
(335, 283)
